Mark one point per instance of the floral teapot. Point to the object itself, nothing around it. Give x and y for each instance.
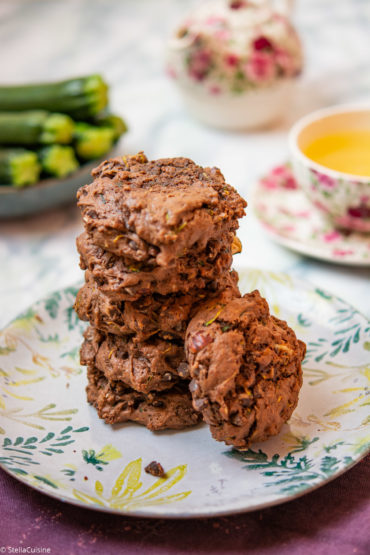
(235, 61)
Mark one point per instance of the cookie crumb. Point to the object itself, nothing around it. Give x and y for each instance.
(155, 469)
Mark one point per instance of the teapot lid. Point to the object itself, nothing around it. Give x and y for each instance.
(238, 13)
(237, 22)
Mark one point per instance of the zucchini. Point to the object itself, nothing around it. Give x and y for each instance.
(81, 97)
(35, 127)
(18, 167)
(114, 122)
(58, 160)
(92, 141)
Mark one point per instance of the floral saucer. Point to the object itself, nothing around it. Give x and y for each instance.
(291, 220)
(53, 441)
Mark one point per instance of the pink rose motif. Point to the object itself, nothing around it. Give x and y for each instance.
(269, 183)
(199, 64)
(260, 68)
(262, 43)
(325, 180)
(279, 170)
(342, 252)
(357, 224)
(331, 236)
(231, 60)
(284, 177)
(361, 211)
(289, 183)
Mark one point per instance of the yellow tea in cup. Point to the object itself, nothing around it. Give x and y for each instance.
(344, 151)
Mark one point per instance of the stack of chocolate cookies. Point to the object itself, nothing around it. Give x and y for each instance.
(158, 242)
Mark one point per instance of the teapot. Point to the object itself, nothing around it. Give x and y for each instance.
(236, 62)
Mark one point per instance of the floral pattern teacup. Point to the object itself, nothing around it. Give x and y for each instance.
(344, 198)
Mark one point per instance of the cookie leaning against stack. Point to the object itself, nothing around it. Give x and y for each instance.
(246, 369)
(158, 242)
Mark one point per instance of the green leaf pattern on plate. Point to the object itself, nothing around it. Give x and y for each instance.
(291, 474)
(53, 440)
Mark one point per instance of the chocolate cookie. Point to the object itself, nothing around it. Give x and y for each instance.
(115, 402)
(165, 316)
(246, 369)
(146, 366)
(123, 282)
(156, 211)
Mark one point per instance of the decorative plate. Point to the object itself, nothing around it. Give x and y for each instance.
(52, 440)
(47, 193)
(291, 220)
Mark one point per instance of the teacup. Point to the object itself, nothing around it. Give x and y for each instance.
(342, 194)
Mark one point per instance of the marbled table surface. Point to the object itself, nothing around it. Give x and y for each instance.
(125, 40)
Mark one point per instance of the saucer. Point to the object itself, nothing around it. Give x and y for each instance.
(291, 220)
